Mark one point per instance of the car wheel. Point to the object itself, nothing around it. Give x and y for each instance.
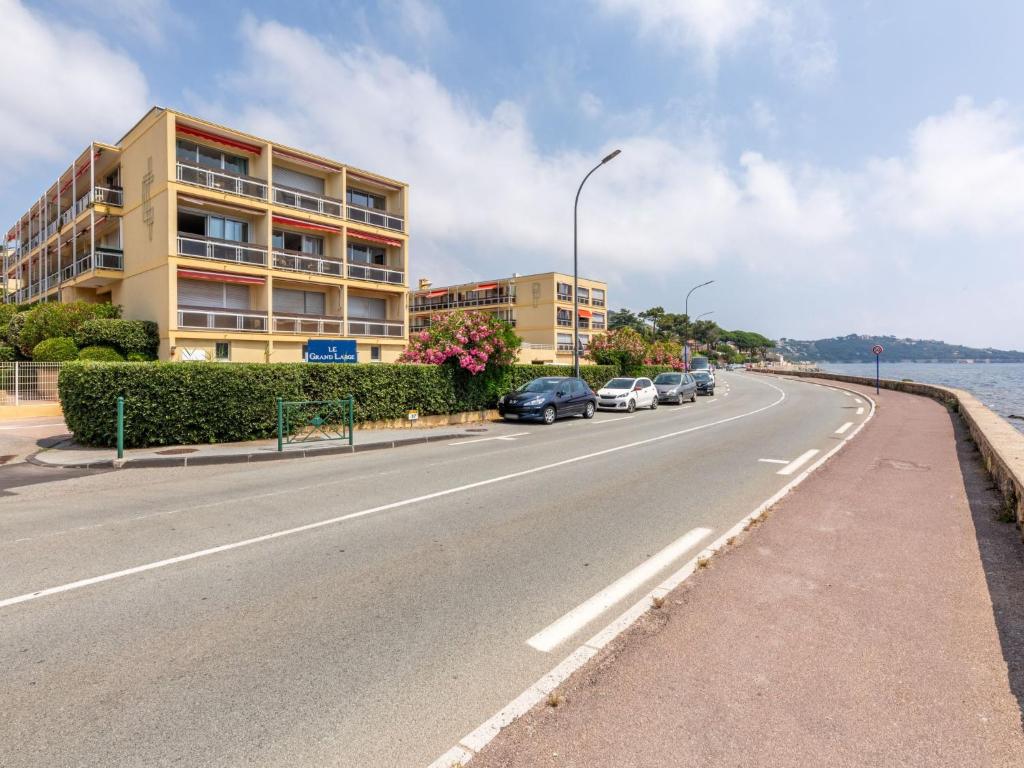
(631, 406)
(549, 415)
(588, 412)
(712, 393)
(654, 403)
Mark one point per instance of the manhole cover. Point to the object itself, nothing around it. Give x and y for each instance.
(177, 451)
(484, 429)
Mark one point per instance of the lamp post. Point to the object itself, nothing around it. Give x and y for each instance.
(686, 313)
(575, 269)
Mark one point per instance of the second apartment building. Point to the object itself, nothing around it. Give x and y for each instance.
(539, 307)
(241, 249)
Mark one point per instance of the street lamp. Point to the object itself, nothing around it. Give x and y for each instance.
(575, 269)
(686, 314)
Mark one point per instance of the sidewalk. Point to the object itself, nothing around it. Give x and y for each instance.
(876, 618)
(69, 454)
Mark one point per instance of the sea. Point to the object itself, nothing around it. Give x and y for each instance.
(1000, 386)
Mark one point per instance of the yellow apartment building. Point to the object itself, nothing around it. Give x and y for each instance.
(241, 249)
(538, 306)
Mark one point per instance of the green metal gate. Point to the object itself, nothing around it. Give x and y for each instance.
(311, 421)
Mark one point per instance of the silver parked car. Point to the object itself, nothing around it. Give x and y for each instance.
(676, 388)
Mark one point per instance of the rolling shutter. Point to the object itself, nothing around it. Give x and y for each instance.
(366, 308)
(200, 293)
(296, 180)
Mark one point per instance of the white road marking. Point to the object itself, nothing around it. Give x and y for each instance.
(860, 411)
(847, 393)
(513, 436)
(798, 462)
(462, 753)
(561, 630)
(609, 421)
(291, 491)
(857, 400)
(33, 426)
(843, 428)
(775, 461)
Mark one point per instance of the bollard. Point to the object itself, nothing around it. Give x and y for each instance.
(280, 425)
(120, 427)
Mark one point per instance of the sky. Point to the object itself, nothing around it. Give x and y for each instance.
(835, 167)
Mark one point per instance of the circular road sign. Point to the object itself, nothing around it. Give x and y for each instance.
(877, 349)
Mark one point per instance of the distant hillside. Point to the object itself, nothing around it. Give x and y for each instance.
(857, 349)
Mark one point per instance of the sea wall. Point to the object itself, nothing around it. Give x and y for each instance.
(1001, 446)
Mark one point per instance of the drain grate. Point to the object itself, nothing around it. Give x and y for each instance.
(177, 451)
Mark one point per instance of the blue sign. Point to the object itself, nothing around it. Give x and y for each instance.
(331, 351)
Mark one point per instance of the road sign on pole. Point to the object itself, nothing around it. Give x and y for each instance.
(878, 349)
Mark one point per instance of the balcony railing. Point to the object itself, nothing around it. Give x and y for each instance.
(582, 299)
(375, 328)
(304, 262)
(597, 302)
(376, 274)
(564, 347)
(246, 186)
(222, 319)
(108, 195)
(565, 322)
(313, 325)
(101, 258)
(486, 301)
(222, 250)
(564, 296)
(375, 217)
(584, 323)
(305, 201)
(597, 326)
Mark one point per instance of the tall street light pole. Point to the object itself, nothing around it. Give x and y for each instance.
(686, 313)
(575, 269)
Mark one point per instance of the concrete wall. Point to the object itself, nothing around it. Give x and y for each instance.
(1001, 446)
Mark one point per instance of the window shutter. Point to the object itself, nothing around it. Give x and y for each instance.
(289, 301)
(200, 293)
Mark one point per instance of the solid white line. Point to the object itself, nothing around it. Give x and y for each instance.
(860, 411)
(847, 393)
(372, 510)
(495, 437)
(798, 462)
(857, 400)
(478, 739)
(609, 421)
(843, 428)
(775, 461)
(561, 630)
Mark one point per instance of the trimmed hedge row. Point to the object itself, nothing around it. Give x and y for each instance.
(183, 403)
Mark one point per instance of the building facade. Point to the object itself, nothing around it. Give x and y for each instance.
(538, 306)
(241, 249)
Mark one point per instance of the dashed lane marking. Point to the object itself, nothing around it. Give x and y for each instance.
(843, 428)
(495, 437)
(798, 462)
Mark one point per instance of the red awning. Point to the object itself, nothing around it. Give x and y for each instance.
(290, 222)
(253, 149)
(353, 175)
(486, 287)
(220, 277)
(358, 233)
(441, 292)
(585, 313)
(306, 160)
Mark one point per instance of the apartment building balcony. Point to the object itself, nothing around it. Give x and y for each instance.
(375, 217)
(214, 249)
(221, 181)
(483, 301)
(385, 328)
(582, 299)
(100, 258)
(565, 322)
(597, 325)
(376, 274)
(584, 323)
(564, 296)
(207, 319)
(297, 261)
(597, 302)
(309, 325)
(562, 347)
(96, 196)
(307, 201)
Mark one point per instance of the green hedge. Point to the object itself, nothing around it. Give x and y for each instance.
(182, 403)
(100, 354)
(650, 371)
(126, 336)
(59, 349)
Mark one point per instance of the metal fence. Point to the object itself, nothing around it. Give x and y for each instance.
(28, 383)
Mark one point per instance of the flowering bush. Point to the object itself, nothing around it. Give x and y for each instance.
(665, 353)
(624, 348)
(470, 340)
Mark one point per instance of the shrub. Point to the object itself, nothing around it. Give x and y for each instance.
(7, 311)
(12, 331)
(137, 357)
(623, 348)
(99, 354)
(128, 337)
(56, 350)
(474, 341)
(52, 319)
(7, 354)
(182, 403)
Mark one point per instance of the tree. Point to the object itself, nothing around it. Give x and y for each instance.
(652, 316)
(624, 318)
(706, 332)
(471, 340)
(624, 347)
(665, 353)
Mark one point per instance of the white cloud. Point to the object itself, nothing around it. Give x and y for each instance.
(590, 105)
(91, 92)
(149, 20)
(796, 32)
(421, 21)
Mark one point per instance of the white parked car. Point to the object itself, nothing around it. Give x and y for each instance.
(626, 394)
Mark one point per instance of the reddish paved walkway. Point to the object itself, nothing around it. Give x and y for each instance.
(875, 619)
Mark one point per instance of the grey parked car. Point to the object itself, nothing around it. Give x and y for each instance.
(675, 388)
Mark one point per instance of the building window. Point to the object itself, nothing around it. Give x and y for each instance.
(191, 152)
(565, 317)
(292, 241)
(374, 354)
(358, 253)
(222, 353)
(192, 223)
(565, 291)
(365, 199)
(292, 302)
(367, 308)
(305, 353)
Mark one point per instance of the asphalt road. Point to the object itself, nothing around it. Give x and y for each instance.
(177, 617)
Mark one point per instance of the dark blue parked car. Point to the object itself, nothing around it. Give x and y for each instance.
(549, 398)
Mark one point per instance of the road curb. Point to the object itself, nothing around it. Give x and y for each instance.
(151, 462)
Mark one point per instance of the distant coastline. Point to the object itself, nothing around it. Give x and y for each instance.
(856, 348)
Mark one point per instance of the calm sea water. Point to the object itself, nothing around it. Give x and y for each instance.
(1000, 386)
